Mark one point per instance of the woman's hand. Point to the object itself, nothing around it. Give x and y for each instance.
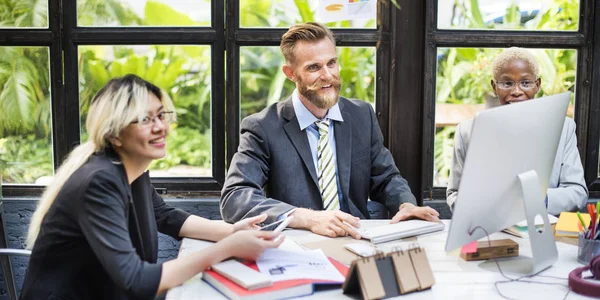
(250, 244)
(249, 223)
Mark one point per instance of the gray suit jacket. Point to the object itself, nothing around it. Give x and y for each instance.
(273, 170)
(567, 190)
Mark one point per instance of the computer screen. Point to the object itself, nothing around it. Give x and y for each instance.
(506, 141)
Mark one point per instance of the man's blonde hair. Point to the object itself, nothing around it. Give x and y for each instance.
(309, 32)
(115, 106)
(515, 53)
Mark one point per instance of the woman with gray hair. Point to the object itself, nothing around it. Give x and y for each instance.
(94, 233)
(516, 78)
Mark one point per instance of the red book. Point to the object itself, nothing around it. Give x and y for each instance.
(279, 290)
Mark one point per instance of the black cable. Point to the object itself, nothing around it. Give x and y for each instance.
(518, 279)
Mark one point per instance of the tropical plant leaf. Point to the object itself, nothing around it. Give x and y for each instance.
(306, 14)
(475, 15)
(157, 14)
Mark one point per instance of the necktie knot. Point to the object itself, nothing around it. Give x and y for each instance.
(323, 126)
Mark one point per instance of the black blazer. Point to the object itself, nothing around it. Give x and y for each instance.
(99, 238)
(273, 170)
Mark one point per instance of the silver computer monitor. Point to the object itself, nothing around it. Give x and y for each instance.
(507, 142)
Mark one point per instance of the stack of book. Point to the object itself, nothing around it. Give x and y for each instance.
(278, 290)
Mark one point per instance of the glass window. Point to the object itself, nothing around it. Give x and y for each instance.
(262, 82)
(143, 13)
(463, 88)
(25, 117)
(23, 14)
(284, 13)
(184, 72)
(509, 14)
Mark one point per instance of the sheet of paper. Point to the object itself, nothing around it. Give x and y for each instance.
(289, 245)
(282, 265)
(539, 221)
(340, 10)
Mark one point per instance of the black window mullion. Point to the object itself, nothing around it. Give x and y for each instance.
(406, 94)
(71, 121)
(232, 94)
(382, 68)
(501, 39)
(272, 36)
(143, 35)
(429, 90)
(218, 94)
(26, 37)
(57, 102)
(593, 133)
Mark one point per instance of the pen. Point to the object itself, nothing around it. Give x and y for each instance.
(592, 212)
(581, 220)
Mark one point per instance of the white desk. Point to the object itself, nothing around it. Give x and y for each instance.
(455, 278)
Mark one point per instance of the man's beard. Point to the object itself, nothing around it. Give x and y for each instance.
(311, 93)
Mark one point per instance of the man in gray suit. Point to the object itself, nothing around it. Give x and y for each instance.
(315, 156)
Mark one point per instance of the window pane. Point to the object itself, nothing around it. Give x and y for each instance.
(25, 117)
(143, 13)
(463, 88)
(509, 14)
(184, 73)
(262, 82)
(24, 14)
(284, 13)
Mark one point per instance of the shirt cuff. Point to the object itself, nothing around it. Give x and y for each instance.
(285, 215)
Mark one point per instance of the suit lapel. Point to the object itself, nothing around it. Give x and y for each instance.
(343, 144)
(144, 218)
(298, 138)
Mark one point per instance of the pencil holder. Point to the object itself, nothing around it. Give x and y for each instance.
(587, 250)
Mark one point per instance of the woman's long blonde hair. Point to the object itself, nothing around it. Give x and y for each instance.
(115, 106)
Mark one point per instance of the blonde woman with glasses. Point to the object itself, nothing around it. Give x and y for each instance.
(94, 233)
(515, 79)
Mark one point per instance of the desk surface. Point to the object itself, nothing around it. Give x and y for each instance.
(455, 278)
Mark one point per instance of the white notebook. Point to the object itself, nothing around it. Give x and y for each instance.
(390, 232)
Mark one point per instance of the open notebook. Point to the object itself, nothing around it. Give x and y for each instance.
(390, 232)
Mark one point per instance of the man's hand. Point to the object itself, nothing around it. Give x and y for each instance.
(328, 223)
(410, 211)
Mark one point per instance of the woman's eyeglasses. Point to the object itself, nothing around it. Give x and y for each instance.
(509, 85)
(164, 116)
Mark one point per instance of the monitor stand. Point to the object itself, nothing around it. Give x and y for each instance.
(543, 245)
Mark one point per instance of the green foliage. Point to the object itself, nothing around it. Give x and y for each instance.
(169, 68)
(186, 146)
(182, 71)
(25, 158)
(24, 91)
(24, 13)
(464, 74)
(105, 12)
(261, 78)
(25, 118)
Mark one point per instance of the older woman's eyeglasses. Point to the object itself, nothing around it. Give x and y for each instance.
(509, 85)
(164, 116)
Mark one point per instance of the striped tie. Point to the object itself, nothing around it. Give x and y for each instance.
(326, 171)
